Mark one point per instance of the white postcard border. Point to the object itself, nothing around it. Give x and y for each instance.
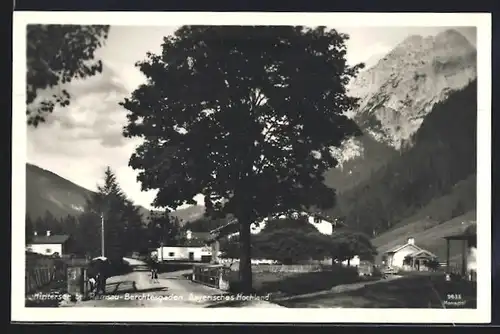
(480, 315)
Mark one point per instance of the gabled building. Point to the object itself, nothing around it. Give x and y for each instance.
(194, 248)
(49, 244)
(408, 257)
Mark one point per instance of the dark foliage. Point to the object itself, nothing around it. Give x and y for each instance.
(163, 229)
(292, 241)
(245, 116)
(57, 54)
(444, 153)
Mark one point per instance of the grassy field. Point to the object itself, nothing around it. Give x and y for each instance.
(416, 291)
(428, 235)
(166, 267)
(293, 283)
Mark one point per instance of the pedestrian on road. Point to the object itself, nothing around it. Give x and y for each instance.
(154, 270)
(154, 275)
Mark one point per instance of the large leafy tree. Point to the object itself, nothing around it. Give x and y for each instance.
(347, 244)
(204, 224)
(163, 229)
(286, 240)
(246, 116)
(300, 224)
(57, 54)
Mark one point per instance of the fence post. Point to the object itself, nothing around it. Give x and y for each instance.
(37, 278)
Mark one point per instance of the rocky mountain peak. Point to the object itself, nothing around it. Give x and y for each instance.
(397, 93)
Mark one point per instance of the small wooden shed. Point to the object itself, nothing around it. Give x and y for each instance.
(468, 238)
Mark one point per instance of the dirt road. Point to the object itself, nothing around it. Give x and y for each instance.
(136, 289)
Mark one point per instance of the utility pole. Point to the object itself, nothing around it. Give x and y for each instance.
(102, 234)
(161, 251)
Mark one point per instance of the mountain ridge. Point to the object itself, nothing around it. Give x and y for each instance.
(395, 95)
(48, 191)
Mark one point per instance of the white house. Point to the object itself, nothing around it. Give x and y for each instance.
(195, 249)
(185, 253)
(395, 257)
(49, 244)
(354, 262)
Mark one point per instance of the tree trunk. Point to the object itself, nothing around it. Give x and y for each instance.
(245, 273)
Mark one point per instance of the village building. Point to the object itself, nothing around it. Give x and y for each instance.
(467, 237)
(410, 257)
(205, 246)
(48, 244)
(195, 248)
(325, 225)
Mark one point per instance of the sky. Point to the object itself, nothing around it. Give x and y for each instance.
(79, 141)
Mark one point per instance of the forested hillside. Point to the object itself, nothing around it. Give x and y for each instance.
(443, 154)
(356, 170)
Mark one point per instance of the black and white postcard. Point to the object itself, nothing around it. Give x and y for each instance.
(287, 163)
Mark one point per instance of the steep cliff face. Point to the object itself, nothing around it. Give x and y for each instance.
(396, 94)
(401, 89)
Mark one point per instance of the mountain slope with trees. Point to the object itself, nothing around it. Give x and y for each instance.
(395, 96)
(442, 155)
(47, 191)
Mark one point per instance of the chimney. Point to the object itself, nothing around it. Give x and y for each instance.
(35, 233)
(48, 233)
(411, 241)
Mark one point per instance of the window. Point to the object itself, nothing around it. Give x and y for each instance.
(48, 251)
(171, 254)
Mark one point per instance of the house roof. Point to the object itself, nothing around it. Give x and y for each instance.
(469, 231)
(51, 239)
(200, 235)
(423, 252)
(194, 243)
(224, 230)
(400, 247)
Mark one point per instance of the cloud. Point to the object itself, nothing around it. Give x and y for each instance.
(94, 113)
(79, 141)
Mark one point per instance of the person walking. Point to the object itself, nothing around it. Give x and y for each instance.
(154, 269)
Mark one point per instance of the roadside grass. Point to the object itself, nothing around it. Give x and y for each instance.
(166, 267)
(412, 291)
(48, 296)
(294, 283)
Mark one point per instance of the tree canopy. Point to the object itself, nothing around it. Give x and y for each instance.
(246, 116)
(291, 241)
(163, 228)
(300, 224)
(204, 224)
(57, 54)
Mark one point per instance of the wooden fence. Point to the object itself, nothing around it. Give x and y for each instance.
(277, 268)
(456, 269)
(207, 274)
(293, 268)
(40, 276)
(41, 271)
